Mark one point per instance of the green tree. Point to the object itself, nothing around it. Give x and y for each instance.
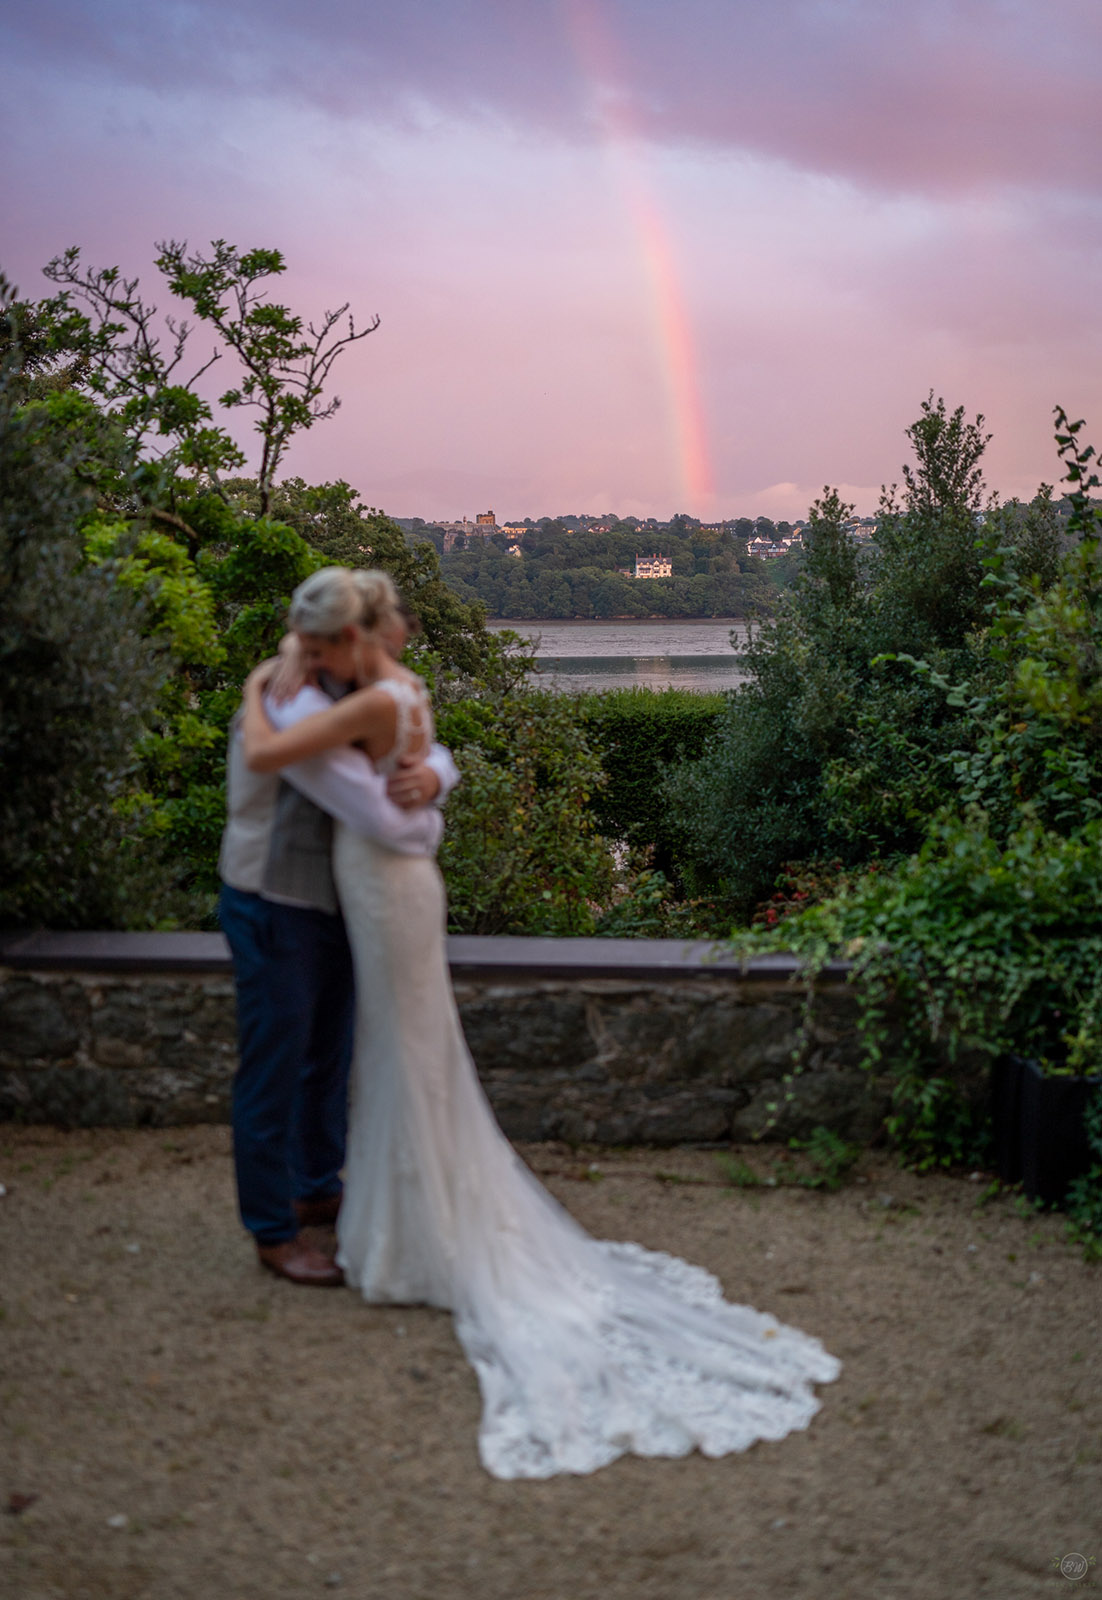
(947, 478)
(331, 519)
(213, 579)
(830, 749)
(283, 362)
(929, 587)
(831, 562)
(1033, 717)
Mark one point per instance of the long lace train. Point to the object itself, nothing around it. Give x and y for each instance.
(584, 1349)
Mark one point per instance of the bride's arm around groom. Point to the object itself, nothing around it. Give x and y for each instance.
(345, 784)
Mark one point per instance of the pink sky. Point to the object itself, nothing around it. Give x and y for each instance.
(628, 256)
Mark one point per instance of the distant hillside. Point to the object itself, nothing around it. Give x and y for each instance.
(551, 570)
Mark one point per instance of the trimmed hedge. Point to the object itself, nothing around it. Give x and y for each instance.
(638, 732)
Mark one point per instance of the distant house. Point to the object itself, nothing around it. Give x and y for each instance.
(485, 519)
(653, 567)
(770, 549)
(514, 550)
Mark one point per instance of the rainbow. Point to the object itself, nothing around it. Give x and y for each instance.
(598, 59)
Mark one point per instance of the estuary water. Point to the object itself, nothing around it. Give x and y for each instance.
(652, 653)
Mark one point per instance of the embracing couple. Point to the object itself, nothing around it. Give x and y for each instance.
(354, 1072)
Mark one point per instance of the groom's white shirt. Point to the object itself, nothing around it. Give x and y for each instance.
(341, 781)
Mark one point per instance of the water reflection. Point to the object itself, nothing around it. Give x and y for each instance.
(648, 654)
(576, 674)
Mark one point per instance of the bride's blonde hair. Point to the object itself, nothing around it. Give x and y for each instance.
(335, 597)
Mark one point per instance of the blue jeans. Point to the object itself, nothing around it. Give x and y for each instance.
(295, 1015)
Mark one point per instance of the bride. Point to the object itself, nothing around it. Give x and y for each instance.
(584, 1349)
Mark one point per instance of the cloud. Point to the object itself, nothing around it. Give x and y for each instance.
(940, 97)
(861, 202)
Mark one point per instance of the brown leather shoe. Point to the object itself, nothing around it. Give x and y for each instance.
(317, 1213)
(301, 1263)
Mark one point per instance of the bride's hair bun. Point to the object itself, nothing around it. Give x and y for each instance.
(378, 598)
(331, 599)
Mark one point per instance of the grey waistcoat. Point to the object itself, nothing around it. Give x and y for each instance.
(299, 865)
(300, 856)
(276, 842)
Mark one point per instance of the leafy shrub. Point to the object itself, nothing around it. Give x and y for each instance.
(532, 845)
(971, 949)
(751, 800)
(640, 732)
(1035, 726)
(78, 689)
(521, 853)
(800, 885)
(821, 1161)
(830, 1158)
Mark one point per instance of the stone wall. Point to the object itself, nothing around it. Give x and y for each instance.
(603, 1041)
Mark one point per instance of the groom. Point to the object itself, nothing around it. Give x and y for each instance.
(293, 974)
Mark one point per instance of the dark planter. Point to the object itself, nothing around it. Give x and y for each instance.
(1037, 1127)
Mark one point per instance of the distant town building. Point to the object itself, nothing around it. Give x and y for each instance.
(453, 531)
(513, 530)
(653, 567)
(514, 550)
(484, 527)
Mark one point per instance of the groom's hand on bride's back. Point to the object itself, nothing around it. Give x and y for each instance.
(413, 784)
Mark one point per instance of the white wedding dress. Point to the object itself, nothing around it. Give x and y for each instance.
(584, 1349)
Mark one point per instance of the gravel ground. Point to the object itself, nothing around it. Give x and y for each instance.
(190, 1427)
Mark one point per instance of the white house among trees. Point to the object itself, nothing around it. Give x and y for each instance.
(653, 567)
